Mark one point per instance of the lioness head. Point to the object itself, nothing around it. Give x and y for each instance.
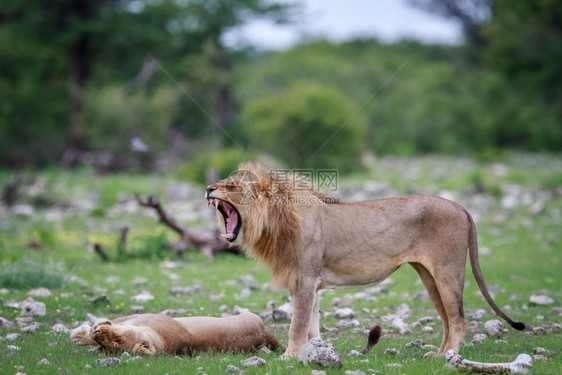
(116, 338)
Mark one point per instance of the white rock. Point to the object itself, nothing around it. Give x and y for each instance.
(541, 299)
(401, 326)
(59, 328)
(23, 210)
(12, 337)
(320, 352)
(356, 372)
(253, 362)
(344, 313)
(44, 362)
(230, 369)
(240, 310)
(427, 329)
(5, 323)
(13, 348)
(478, 315)
(354, 353)
(31, 308)
(107, 362)
(317, 372)
(494, 328)
(283, 312)
(40, 292)
(142, 297)
(343, 324)
(403, 311)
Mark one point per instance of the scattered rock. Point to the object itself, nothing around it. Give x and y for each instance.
(139, 281)
(134, 359)
(107, 362)
(344, 324)
(320, 352)
(283, 312)
(44, 362)
(344, 313)
(478, 315)
(543, 351)
(556, 327)
(391, 351)
(12, 337)
(500, 342)
(426, 319)
(317, 372)
(5, 323)
(13, 348)
(538, 330)
(494, 328)
(136, 309)
(556, 311)
(430, 347)
(253, 362)
(427, 329)
(356, 372)
(346, 301)
(59, 328)
(32, 328)
(170, 312)
(403, 311)
(354, 353)
(142, 297)
(23, 210)
(223, 308)
(100, 299)
(541, 299)
(539, 357)
(239, 310)
(31, 308)
(264, 350)
(40, 293)
(230, 369)
(401, 326)
(478, 339)
(394, 365)
(418, 343)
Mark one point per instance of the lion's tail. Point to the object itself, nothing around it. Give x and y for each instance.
(374, 336)
(272, 342)
(475, 265)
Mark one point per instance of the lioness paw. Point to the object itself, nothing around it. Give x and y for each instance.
(81, 335)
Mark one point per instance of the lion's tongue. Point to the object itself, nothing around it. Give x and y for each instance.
(232, 221)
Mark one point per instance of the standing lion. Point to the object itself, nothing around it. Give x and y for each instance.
(311, 241)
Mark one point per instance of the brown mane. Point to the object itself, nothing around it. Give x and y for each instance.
(273, 230)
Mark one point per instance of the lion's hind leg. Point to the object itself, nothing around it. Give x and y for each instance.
(429, 283)
(451, 291)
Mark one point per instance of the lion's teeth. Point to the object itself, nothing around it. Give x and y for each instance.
(227, 236)
(208, 204)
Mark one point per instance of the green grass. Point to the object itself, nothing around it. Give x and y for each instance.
(524, 259)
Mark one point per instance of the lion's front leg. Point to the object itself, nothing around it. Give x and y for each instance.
(314, 328)
(303, 303)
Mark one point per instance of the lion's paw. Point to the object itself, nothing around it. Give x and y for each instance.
(432, 355)
(81, 335)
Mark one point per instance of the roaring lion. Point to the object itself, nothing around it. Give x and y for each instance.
(151, 334)
(311, 241)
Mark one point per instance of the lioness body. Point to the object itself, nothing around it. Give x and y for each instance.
(159, 334)
(312, 242)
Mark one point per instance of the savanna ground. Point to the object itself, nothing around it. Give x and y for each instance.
(516, 201)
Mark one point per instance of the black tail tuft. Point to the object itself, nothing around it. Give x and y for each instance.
(520, 326)
(374, 336)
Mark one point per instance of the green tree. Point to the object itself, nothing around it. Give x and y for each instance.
(308, 126)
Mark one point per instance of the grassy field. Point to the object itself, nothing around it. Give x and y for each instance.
(516, 201)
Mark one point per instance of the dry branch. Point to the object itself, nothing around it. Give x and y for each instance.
(208, 243)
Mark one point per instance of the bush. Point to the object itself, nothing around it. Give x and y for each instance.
(308, 126)
(24, 274)
(224, 162)
(110, 118)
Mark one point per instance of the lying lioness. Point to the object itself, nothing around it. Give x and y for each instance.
(159, 334)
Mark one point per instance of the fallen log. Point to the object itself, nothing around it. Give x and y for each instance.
(208, 243)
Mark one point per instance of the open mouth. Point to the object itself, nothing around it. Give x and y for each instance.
(231, 216)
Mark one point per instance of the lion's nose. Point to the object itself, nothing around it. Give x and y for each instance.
(209, 190)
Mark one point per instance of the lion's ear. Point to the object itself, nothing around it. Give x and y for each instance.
(144, 347)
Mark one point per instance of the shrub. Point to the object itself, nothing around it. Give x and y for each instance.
(308, 126)
(110, 118)
(224, 162)
(30, 274)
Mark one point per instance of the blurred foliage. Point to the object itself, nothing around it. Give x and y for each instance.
(113, 118)
(224, 162)
(25, 274)
(64, 65)
(307, 126)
